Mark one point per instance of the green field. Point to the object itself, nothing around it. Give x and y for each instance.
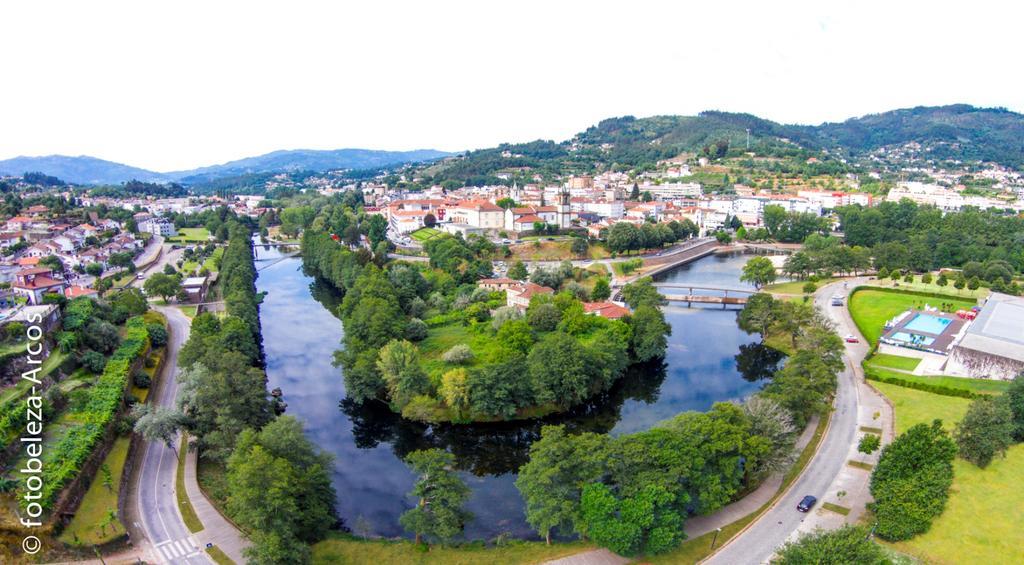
(981, 386)
(91, 524)
(919, 286)
(341, 548)
(916, 407)
(794, 287)
(895, 362)
(871, 308)
(186, 235)
(981, 523)
(423, 234)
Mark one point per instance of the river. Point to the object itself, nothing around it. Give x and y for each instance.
(300, 335)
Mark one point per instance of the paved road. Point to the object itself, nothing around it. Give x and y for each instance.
(157, 503)
(758, 543)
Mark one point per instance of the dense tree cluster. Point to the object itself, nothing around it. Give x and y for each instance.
(904, 235)
(555, 356)
(624, 237)
(633, 492)
(910, 484)
(848, 544)
(279, 483)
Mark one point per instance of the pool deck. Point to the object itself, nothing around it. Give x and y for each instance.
(943, 341)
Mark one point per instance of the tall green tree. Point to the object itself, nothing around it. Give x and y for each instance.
(439, 514)
(758, 271)
(848, 544)
(986, 430)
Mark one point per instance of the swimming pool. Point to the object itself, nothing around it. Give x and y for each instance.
(928, 324)
(913, 339)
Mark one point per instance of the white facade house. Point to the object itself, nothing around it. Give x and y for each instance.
(158, 226)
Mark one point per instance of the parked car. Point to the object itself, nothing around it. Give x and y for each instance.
(837, 300)
(850, 338)
(806, 503)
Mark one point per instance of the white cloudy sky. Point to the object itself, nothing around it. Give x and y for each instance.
(172, 85)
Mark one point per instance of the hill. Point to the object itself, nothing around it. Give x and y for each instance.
(90, 170)
(79, 170)
(957, 132)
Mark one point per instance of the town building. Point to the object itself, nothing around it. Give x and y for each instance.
(35, 282)
(158, 226)
(993, 345)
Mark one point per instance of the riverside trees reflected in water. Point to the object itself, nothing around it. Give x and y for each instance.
(709, 359)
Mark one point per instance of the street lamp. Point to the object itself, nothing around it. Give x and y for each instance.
(715, 538)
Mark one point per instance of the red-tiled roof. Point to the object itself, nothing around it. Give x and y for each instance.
(40, 281)
(76, 291)
(34, 271)
(605, 310)
(529, 219)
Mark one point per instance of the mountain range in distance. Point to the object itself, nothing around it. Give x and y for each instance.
(953, 132)
(90, 170)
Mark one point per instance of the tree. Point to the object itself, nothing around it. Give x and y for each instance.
(810, 287)
(771, 421)
(94, 269)
(459, 354)
(158, 423)
(558, 369)
(911, 482)
(848, 544)
(579, 246)
(973, 283)
(162, 285)
(646, 522)
(439, 513)
(518, 271)
(1015, 399)
(943, 280)
(758, 314)
(602, 290)
(430, 220)
(543, 316)
(774, 217)
(759, 271)
(551, 481)
(986, 431)
(624, 236)
(641, 292)
(650, 330)
(454, 390)
(399, 365)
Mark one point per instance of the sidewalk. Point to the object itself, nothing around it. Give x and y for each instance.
(216, 529)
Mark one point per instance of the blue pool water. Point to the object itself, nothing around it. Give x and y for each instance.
(912, 338)
(928, 324)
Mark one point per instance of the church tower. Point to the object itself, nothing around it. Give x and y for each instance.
(564, 209)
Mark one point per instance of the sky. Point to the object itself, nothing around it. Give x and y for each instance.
(176, 85)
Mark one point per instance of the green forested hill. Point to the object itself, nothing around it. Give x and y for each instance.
(960, 132)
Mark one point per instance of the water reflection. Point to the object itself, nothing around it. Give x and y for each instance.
(709, 360)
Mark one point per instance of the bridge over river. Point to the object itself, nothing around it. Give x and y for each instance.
(704, 294)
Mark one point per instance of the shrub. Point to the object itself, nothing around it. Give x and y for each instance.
(141, 379)
(93, 361)
(157, 334)
(934, 389)
(986, 430)
(810, 287)
(458, 354)
(416, 330)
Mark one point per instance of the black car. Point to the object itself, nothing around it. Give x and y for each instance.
(806, 504)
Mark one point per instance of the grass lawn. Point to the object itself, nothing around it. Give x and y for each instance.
(186, 235)
(981, 523)
(219, 557)
(91, 525)
(423, 234)
(188, 514)
(341, 549)
(983, 386)
(871, 308)
(895, 362)
(919, 286)
(916, 407)
(794, 287)
(189, 311)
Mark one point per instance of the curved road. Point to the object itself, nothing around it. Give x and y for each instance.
(157, 502)
(760, 541)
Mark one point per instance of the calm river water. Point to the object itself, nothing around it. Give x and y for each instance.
(709, 359)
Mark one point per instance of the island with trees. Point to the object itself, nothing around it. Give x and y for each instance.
(438, 346)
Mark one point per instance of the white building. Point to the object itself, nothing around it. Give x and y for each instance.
(158, 226)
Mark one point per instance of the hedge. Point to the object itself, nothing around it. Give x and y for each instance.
(105, 399)
(934, 389)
